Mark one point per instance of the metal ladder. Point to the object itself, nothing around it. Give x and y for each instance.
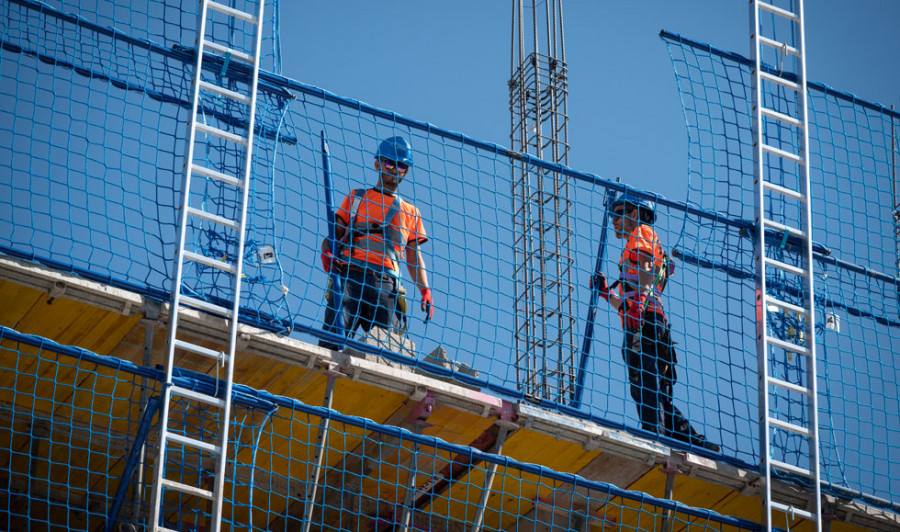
(220, 399)
(798, 201)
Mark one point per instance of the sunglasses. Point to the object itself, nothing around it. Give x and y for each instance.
(390, 165)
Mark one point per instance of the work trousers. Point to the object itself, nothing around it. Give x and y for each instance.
(369, 299)
(651, 360)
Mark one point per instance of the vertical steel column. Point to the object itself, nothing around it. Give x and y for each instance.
(544, 320)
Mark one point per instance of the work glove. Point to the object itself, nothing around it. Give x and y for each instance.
(599, 280)
(634, 312)
(327, 261)
(427, 304)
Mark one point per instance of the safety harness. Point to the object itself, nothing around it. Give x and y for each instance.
(630, 281)
(360, 236)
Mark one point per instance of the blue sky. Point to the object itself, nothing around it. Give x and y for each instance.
(448, 63)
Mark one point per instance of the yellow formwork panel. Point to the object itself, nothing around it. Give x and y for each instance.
(93, 394)
(282, 379)
(354, 398)
(15, 436)
(519, 494)
(62, 320)
(462, 498)
(17, 301)
(106, 332)
(15, 359)
(131, 346)
(455, 426)
(559, 455)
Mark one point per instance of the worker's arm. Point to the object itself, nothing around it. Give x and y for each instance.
(415, 263)
(339, 229)
(615, 301)
(328, 259)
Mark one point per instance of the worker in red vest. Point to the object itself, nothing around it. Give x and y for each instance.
(377, 232)
(647, 349)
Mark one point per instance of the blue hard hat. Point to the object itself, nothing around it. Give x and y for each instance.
(395, 149)
(646, 208)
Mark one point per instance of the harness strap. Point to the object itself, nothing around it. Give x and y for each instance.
(391, 238)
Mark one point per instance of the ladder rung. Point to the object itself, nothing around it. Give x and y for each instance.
(790, 468)
(200, 350)
(190, 490)
(222, 91)
(778, 11)
(198, 396)
(788, 346)
(210, 130)
(768, 185)
(224, 50)
(784, 425)
(215, 218)
(788, 84)
(218, 176)
(790, 386)
(785, 305)
(233, 12)
(164, 529)
(786, 267)
(783, 154)
(792, 512)
(778, 45)
(781, 228)
(203, 305)
(191, 442)
(209, 261)
(771, 113)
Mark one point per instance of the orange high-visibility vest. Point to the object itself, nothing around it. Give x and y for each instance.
(643, 242)
(371, 240)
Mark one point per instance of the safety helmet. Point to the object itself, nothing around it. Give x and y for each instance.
(646, 208)
(395, 149)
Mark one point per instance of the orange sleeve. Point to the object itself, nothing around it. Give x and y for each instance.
(642, 242)
(415, 226)
(343, 212)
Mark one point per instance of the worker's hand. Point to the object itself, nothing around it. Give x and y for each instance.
(598, 280)
(427, 304)
(327, 261)
(634, 313)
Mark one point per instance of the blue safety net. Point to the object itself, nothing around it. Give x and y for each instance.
(74, 425)
(94, 100)
(853, 180)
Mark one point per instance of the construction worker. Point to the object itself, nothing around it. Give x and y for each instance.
(647, 349)
(377, 230)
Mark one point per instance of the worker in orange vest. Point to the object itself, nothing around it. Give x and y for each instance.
(647, 349)
(377, 230)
